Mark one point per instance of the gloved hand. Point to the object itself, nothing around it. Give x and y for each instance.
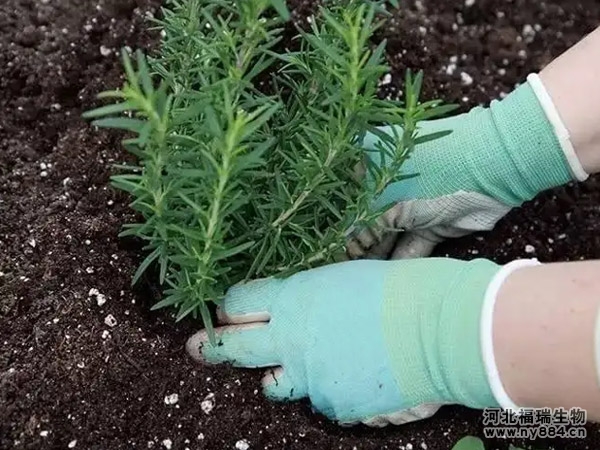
(365, 341)
(495, 159)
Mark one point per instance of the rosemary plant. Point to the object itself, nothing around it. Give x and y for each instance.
(246, 150)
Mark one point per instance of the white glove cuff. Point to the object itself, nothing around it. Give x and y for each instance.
(486, 331)
(560, 130)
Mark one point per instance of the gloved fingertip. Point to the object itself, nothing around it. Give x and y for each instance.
(195, 344)
(354, 250)
(278, 386)
(412, 246)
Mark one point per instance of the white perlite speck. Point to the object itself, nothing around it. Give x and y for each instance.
(105, 51)
(469, 3)
(387, 79)
(171, 399)
(242, 444)
(466, 79)
(528, 31)
(44, 433)
(100, 298)
(452, 65)
(72, 444)
(105, 334)
(110, 321)
(167, 443)
(529, 248)
(208, 403)
(409, 446)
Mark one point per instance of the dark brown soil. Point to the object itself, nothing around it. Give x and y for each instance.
(65, 375)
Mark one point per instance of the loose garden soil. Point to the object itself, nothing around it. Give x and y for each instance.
(70, 380)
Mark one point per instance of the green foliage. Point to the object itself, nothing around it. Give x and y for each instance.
(474, 443)
(469, 443)
(246, 151)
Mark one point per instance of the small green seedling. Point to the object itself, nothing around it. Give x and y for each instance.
(469, 443)
(245, 149)
(474, 443)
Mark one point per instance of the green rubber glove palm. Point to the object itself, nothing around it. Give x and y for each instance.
(495, 159)
(366, 341)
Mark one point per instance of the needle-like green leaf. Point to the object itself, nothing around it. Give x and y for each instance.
(281, 8)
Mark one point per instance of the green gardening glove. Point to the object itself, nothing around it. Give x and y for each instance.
(494, 159)
(366, 341)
